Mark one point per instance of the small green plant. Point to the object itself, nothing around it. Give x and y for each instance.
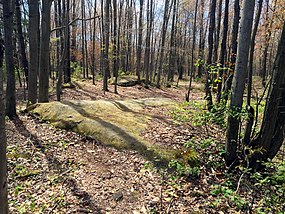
(224, 192)
(272, 186)
(196, 113)
(77, 70)
(182, 169)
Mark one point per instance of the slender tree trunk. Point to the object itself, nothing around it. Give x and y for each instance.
(172, 55)
(239, 81)
(251, 55)
(67, 71)
(223, 50)
(3, 143)
(119, 32)
(94, 44)
(217, 34)
(148, 37)
(73, 33)
(129, 36)
(9, 62)
(268, 26)
(210, 53)
(34, 51)
(192, 54)
(86, 47)
(234, 43)
(57, 16)
(201, 38)
(115, 53)
(44, 52)
(106, 45)
(163, 39)
(139, 46)
(62, 62)
(21, 40)
(83, 38)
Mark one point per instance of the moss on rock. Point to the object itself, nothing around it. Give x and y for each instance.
(113, 123)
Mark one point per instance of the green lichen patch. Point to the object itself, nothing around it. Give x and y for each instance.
(114, 123)
(125, 81)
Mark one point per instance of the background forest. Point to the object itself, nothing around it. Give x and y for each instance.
(221, 61)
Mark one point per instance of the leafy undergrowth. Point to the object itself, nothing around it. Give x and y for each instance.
(199, 162)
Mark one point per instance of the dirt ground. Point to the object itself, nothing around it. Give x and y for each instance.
(58, 171)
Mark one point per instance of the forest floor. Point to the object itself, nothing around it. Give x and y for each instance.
(58, 171)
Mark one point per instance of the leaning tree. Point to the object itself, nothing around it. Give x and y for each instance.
(271, 136)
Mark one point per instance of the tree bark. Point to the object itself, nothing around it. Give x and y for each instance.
(44, 52)
(210, 53)
(139, 46)
(94, 44)
(106, 45)
(67, 71)
(239, 81)
(172, 54)
(192, 53)
(223, 50)
(217, 34)
(272, 134)
(249, 122)
(129, 35)
(148, 37)
(3, 143)
(228, 82)
(83, 38)
(163, 39)
(21, 40)
(115, 44)
(8, 42)
(201, 39)
(34, 51)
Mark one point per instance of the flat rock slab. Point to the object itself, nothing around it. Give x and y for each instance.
(125, 81)
(113, 123)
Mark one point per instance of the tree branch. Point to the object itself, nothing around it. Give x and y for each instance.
(75, 20)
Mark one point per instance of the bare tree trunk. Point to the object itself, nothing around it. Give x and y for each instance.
(62, 62)
(239, 81)
(129, 35)
(250, 110)
(192, 54)
(44, 52)
(21, 40)
(3, 143)
(251, 55)
(8, 42)
(115, 52)
(94, 44)
(67, 71)
(217, 34)
(201, 38)
(223, 50)
(34, 51)
(228, 82)
(148, 37)
(172, 54)
(271, 135)
(73, 33)
(83, 38)
(139, 45)
(210, 53)
(163, 38)
(106, 45)
(268, 26)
